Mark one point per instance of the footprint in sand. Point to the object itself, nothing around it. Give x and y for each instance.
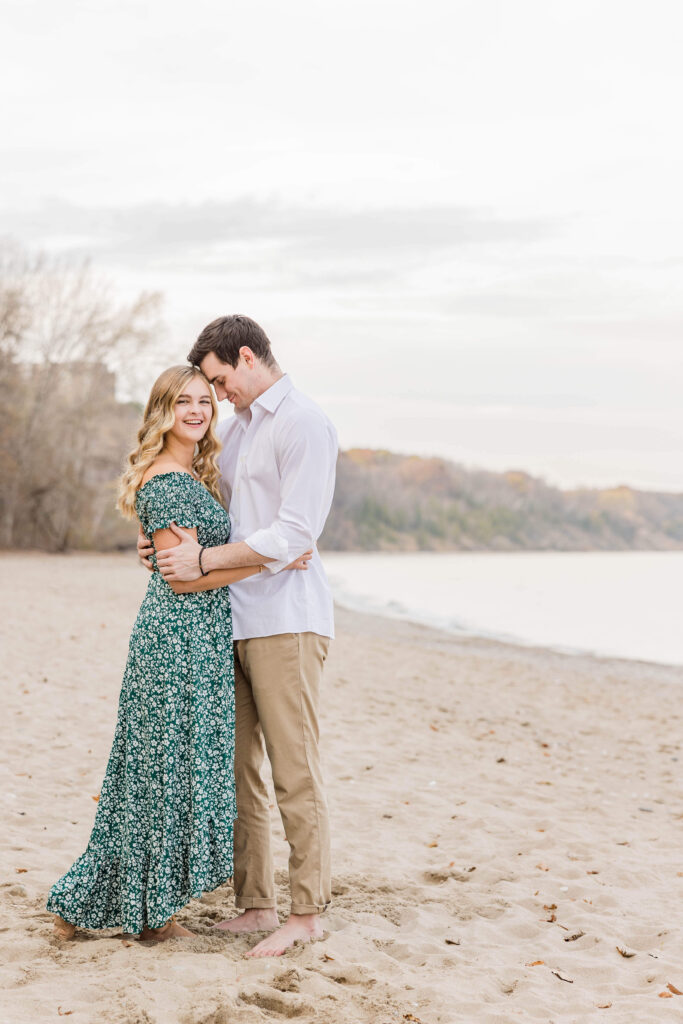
(281, 1003)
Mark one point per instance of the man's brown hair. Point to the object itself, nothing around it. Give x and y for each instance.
(226, 336)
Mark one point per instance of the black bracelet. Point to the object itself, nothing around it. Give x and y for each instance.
(201, 568)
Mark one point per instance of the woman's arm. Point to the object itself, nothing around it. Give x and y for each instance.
(215, 579)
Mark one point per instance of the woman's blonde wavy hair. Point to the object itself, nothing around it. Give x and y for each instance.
(158, 418)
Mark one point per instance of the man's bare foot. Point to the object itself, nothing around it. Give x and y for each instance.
(252, 920)
(170, 930)
(63, 929)
(297, 928)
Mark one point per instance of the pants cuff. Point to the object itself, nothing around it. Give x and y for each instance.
(255, 902)
(307, 908)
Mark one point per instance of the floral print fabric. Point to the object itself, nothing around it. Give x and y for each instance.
(163, 827)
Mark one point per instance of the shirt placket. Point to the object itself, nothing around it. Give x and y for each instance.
(245, 445)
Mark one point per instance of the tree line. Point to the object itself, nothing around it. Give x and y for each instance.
(63, 343)
(390, 502)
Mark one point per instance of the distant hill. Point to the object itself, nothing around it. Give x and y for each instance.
(405, 503)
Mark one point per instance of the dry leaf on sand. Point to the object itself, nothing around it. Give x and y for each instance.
(535, 963)
(676, 991)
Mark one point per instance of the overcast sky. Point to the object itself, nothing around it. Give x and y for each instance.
(460, 222)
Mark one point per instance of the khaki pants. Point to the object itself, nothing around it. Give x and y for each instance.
(277, 683)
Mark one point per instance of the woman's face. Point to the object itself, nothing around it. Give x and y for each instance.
(193, 412)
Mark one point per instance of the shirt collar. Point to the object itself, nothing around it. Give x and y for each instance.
(269, 400)
(272, 396)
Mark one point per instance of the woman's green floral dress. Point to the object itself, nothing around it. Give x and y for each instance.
(163, 828)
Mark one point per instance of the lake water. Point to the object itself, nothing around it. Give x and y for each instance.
(622, 604)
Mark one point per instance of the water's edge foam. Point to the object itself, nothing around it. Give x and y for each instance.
(396, 610)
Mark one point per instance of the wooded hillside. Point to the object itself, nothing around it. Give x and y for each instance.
(396, 502)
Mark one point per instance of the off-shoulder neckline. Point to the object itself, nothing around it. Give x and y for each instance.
(170, 472)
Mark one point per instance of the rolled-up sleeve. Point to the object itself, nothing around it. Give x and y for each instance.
(307, 458)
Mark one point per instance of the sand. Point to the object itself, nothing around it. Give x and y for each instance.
(505, 821)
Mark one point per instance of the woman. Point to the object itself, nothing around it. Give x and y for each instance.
(163, 828)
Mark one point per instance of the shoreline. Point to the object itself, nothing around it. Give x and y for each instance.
(558, 602)
(377, 609)
(503, 819)
(492, 642)
(478, 644)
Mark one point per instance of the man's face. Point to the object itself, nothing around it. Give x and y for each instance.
(231, 382)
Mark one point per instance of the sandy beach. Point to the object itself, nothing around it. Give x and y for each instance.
(507, 830)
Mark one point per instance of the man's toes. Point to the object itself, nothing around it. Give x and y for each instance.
(256, 952)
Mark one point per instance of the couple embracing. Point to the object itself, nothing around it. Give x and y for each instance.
(226, 653)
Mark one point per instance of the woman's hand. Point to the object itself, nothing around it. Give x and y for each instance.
(145, 550)
(301, 562)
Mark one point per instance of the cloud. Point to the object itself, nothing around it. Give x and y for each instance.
(277, 245)
(153, 227)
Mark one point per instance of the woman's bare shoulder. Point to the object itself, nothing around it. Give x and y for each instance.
(162, 466)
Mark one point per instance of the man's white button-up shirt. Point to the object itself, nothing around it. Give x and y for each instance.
(278, 466)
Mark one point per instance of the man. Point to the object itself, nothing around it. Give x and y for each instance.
(277, 469)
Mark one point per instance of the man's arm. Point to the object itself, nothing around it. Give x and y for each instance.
(167, 540)
(238, 555)
(180, 563)
(232, 556)
(225, 577)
